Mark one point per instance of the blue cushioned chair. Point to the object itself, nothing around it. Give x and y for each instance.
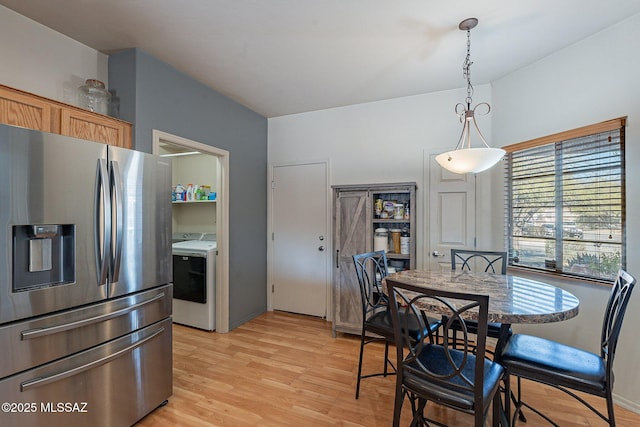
(460, 378)
(568, 368)
(371, 268)
(483, 261)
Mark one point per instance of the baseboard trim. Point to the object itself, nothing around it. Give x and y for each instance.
(626, 403)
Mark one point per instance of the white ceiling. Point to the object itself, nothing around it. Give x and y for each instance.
(280, 57)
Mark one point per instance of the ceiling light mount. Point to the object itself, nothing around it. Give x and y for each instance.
(464, 159)
(468, 24)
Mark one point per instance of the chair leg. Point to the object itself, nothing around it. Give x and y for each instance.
(418, 414)
(521, 404)
(517, 402)
(510, 397)
(497, 408)
(612, 417)
(507, 397)
(397, 403)
(479, 419)
(362, 338)
(386, 357)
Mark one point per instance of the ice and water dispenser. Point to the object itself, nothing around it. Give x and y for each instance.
(43, 255)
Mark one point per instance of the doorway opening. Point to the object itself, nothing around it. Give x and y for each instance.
(212, 217)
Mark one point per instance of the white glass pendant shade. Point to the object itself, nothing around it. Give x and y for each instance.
(470, 160)
(464, 158)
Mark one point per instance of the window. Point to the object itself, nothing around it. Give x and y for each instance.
(565, 202)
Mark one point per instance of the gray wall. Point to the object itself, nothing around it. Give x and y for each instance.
(154, 95)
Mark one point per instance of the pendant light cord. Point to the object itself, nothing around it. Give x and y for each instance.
(466, 70)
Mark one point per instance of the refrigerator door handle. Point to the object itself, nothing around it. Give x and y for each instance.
(102, 225)
(40, 332)
(117, 194)
(40, 381)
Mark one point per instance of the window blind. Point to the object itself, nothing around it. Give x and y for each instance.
(565, 204)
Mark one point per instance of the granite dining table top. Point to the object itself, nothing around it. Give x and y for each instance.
(512, 299)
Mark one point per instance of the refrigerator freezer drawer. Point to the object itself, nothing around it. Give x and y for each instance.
(97, 387)
(40, 340)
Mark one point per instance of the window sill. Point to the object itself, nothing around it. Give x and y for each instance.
(549, 276)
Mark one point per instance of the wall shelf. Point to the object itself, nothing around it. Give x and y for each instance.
(193, 202)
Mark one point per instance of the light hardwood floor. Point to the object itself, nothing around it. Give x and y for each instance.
(283, 369)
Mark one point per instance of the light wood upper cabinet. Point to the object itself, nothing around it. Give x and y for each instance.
(23, 109)
(94, 127)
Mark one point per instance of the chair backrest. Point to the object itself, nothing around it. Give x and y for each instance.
(614, 314)
(371, 268)
(452, 373)
(491, 261)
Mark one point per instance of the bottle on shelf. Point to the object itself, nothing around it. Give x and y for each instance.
(192, 193)
(180, 193)
(387, 209)
(378, 208)
(398, 211)
(199, 192)
(404, 241)
(395, 238)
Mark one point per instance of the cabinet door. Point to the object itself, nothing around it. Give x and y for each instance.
(18, 109)
(352, 235)
(94, 127)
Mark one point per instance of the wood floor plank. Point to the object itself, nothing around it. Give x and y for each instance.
(282, 369)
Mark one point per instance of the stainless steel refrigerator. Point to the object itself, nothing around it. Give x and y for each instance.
(85, 272)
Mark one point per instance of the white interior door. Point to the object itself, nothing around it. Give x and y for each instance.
(299, 241)
(451, 214)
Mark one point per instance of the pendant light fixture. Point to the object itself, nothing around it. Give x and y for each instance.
(464, 158)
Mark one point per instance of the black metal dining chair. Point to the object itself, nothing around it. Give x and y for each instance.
(473, 260)
(568, 368)
(371, 268)
(484, 261)
(459, 378)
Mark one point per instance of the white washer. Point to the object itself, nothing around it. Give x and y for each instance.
(194, 278)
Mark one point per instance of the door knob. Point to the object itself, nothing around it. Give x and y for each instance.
(321, 248)
(437, 254)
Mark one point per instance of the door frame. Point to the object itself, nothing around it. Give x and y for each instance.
(222, 219)
(328, 240)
